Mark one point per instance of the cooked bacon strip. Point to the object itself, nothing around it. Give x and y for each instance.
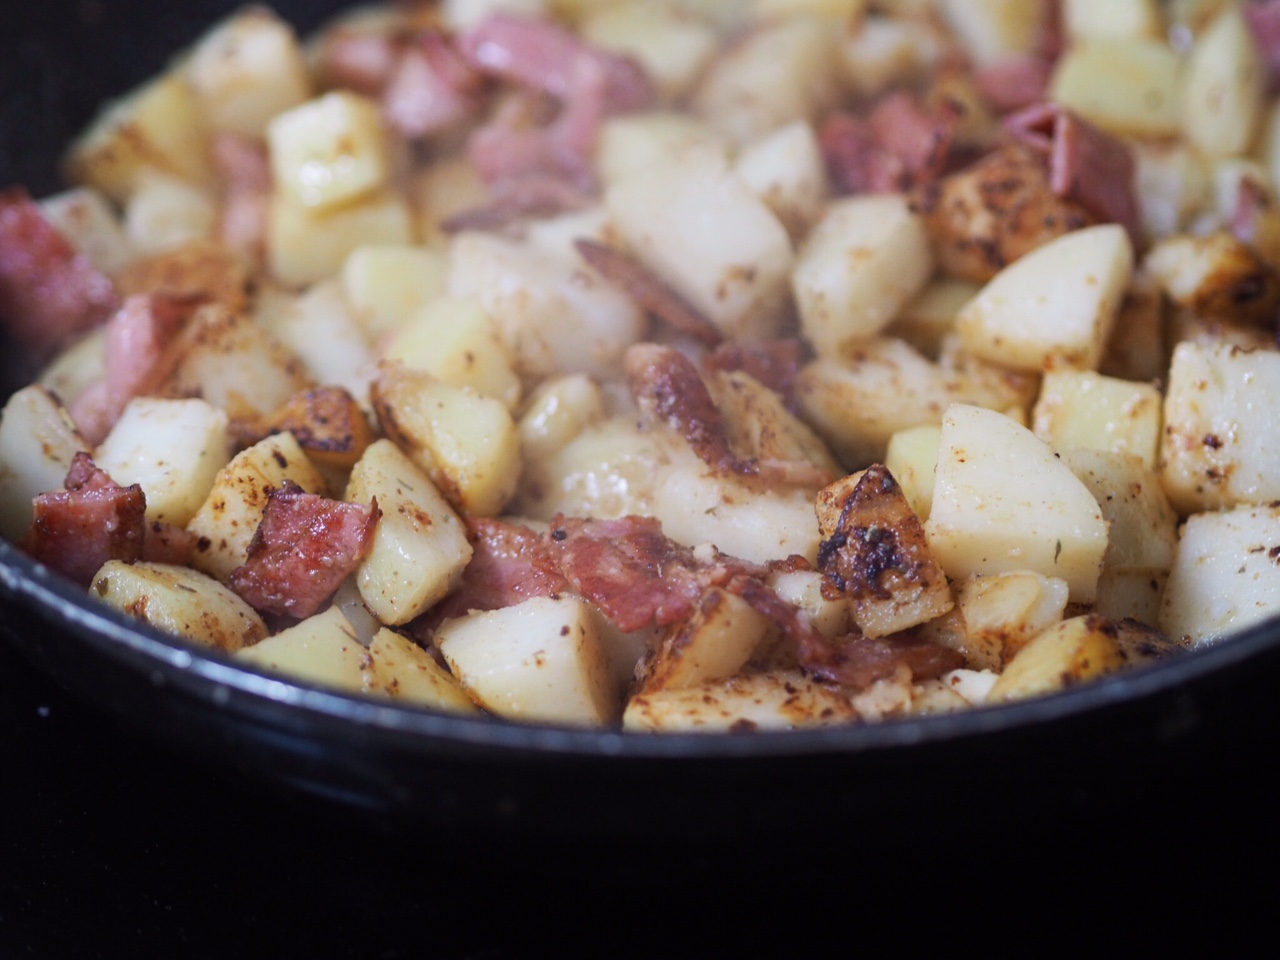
(502, 571)
(431, 87)
(245, 173)
(855, 160)
(76, 530)
(1263, 17)
(858, 661)
(303, 549)
(48, 291)
(1086, 164)
(775, 363)
(648, 291)
(899, 145)
(1014, 82)
(135, 340)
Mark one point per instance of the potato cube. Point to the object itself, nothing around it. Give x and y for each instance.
(247, 69)
(1136, 350)
(672, 46)
(1003, 502)
(930, 318)
(539, 661)
(557, 412)
(452, 339)
(994, 29)
(1221, 444)
(1054, 306)
(714, 643)
(1114, 19)
(440, 191)
(463, 14)
(1082, 410)
(742, 704)
(786, 170)
(322, 649)
(420, 547)
(1069, 653)
(230, 515)
(884, 51)
(1141, 524)
(1128, 86)
(386, 284)
(179, 601)
(912, 457)
(321, 331)
(632, 143)
(406, 672)
(329, 151)
(1002, 612)
(173, 449)
(466, 443)
(164, 213)
(38, 441)
(697, 226)
(1224, 87)
(1225, 574)
(1216, 276)
(867, 258)
(833, 618)
(1131, 595)
(305, 245)
(85, 217)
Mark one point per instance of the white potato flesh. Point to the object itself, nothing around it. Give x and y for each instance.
(1071, 652)
(1003, 611)
(463, 14)
(321, 330)
(406, 672)
(164, 213)
(671, 45)
(881, 51)
(832, 618)
(329, 151)
(930, 318)
(230, 515)
(1221, 444)
(865, 260)
(1053, 306)
(700, 229)
(1142, 526)
(540, 660)
(1172, 185)
(1003, 502)
(557, 412)
(713, 643)
(632, 143)
(173, 449)
(85, 217)
(420, 546)
(1117, 19)
(306, 245)
(553, 315)
(322, 649)
(1224, 87)
(1082, 410)
(1225, 575)
(764, 701)
(179, 601)
(386, 284)
(992, 30)
(786, 170)
(912, 458)
(38, 441)
(1128, 86)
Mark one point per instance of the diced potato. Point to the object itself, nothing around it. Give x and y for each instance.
(875, 551)
(163, 213)
(994, 29)
(1221, 443)
(247, 69)
(1114, 19)
(557, 412)
(714, 643)
(173, 449)
(1141, 524)
(38, 441)
(831, 617)
(231, 362)
(466, 443)
(1084, 410)
(1003, 502)
(761, 701)
(553, 315)
(787, 171)
(322, 333)
(84, 216)
(885, 51)
(928, 319)
(1224, 87)
(200, 270)
(1136, 350)
(407, 672)
(912, 457)
(1076, 651)
(1054, 306)
(632, 143)
(156, 128)
(328, 424)
(838, 10)
(672, 46)
(780, 72)
(1225, 575)
(420, 547)
(230, 515)
(1128, 86)
(386, 284)
(442, 190)
(329, 151)
(759, 426)
(1216, 276)
(867, 258)
(306, 245)
(322, 649)
(539, 661)
(1131, 595)
(1171, 183)
(179, 601)
(1003, 611)
(78, 367)
(452, 339)
(695, 224)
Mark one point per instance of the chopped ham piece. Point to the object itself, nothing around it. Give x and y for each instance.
(1264, 23)
(303, 549)
(76, 530)
(431, 87)
(898, 145)
(48, 291)
(648, 291)
(1015, 82)
(858, 661)
(166, 543)
(1086, 164)
(502, 571)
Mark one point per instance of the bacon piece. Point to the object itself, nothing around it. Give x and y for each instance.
(245, 172)
(502, 571)
(900, 144)
(1086, 164)
(527, 195)
(136, 336)
(1014, 82)
(165, 543)
(855, 160)
(76, 530)
(775, 363)
(303, 549)
(1263, 17)
(48, 291)
(648, 291)
(858, 661)
(431, 87)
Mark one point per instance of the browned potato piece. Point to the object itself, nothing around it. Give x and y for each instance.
(874, 550)
(203, 270)
(327, 423)
(988, 215)
(1217, 276)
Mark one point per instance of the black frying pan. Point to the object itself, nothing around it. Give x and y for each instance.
(1121, 740)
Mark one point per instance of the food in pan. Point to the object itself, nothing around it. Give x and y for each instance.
(669, 365)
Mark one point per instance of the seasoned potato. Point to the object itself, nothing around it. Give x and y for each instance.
(713, 644)
(742, 704)
(1081, 410)
(405, 671)
(38, 441)
(1125, 84)
(321, 649)
(1003, 611)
